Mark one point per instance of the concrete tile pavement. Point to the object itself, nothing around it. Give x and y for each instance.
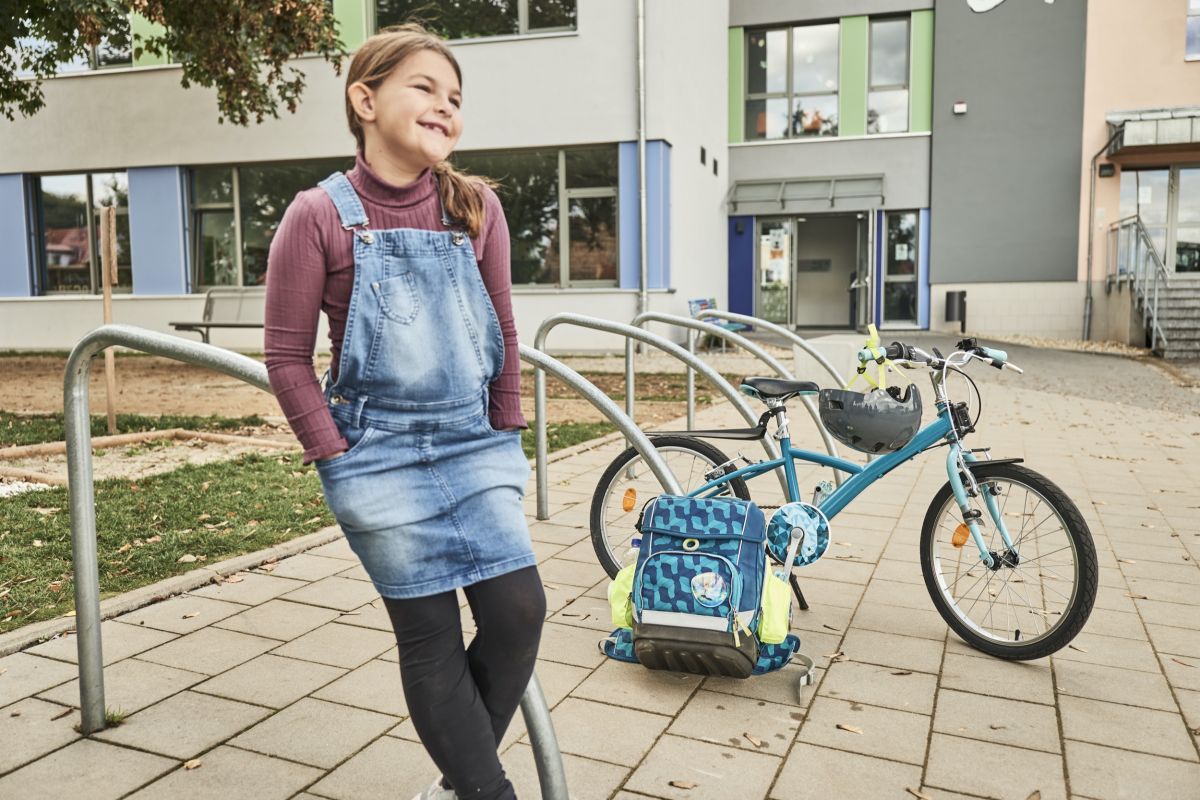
(285, 684)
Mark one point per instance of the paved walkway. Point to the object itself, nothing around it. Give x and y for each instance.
(284, 684)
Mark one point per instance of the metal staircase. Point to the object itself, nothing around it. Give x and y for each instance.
(1168, 304)
(1179, 317)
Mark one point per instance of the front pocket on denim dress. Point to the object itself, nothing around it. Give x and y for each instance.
(398, 298)
(356, 439)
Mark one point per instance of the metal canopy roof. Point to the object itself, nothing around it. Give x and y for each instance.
(775, 195)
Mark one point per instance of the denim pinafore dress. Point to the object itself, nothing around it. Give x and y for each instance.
(429, 494)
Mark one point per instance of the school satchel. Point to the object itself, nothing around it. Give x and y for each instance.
(700, 598)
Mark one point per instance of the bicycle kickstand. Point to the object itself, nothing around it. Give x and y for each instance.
(799, 594)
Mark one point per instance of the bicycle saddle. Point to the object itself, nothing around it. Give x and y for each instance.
(772, 388)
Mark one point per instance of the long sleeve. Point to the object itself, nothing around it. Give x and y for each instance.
(296, 277)
(504, 405)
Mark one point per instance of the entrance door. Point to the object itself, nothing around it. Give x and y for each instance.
(827, 256)
(900, 270)
(773, 293)
(862, 294)
(1187, 226)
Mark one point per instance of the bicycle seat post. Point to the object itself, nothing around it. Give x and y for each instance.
(781, 420)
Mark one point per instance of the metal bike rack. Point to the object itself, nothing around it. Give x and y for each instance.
(81, 489)
(734, 338)
(791, 336)
(629, 332)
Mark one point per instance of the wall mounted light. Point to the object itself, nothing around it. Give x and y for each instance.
(960, 107)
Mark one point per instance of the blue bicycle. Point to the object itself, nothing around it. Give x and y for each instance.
(1006, 556)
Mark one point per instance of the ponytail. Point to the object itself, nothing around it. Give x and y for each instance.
(462, 195)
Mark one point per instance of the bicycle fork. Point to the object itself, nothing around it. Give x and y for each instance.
(956, 460)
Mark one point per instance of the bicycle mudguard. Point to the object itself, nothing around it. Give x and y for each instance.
(972, 465)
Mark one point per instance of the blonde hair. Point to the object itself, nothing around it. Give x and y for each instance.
(462, 194)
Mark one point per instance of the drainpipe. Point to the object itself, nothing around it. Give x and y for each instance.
(643, 291)
(1087, 301)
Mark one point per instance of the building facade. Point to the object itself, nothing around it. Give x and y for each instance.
(823, 164)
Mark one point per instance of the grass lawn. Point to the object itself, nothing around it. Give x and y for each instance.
(20, 429)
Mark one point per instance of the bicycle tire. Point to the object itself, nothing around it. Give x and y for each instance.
(1078, 606)
(600, 539)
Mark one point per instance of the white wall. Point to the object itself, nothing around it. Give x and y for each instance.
(1051, 309)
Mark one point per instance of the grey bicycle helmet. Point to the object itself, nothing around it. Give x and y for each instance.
(873, 422)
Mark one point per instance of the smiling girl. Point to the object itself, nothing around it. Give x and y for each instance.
(416, 431)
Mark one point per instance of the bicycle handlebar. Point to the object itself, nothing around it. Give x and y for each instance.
(900, 352)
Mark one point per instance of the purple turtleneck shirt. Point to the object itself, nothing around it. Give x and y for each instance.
(311, 269)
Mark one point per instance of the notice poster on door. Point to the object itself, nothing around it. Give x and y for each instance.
(775, 256)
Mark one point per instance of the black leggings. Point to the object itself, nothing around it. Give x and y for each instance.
(462, 699)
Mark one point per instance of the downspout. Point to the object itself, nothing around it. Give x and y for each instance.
(1087, 301)
(644, 248)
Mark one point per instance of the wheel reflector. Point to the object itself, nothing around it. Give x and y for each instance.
(629, 500)
(961, 534)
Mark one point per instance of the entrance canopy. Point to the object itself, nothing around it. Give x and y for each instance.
(783, 195)
(1168, 133)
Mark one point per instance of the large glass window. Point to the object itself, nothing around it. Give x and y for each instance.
(101, 56)
(887, 98)
(792, 82)
(1192, 47)
(900, 269)
(1187, 229)
(69, 221)
(236, 211)
(466, 19)
(547, 192)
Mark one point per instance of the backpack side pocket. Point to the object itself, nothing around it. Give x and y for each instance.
(776, 617)
(620, 597)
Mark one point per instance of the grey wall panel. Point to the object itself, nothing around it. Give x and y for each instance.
(15, 258)
(902, 160)
(1005, 176)
(766, 12)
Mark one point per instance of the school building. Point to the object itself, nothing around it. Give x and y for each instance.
(822, 164)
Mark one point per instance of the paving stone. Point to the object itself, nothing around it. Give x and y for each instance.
(903, 621)
(841, 567)
(343, 594)
(339, 645)
(1157, 732)
(182, 614)
(552, 533)
(338, 548)
(1115, 623)
(781, 686)
(316, 732)
(891, 650)
(634, 686)
(184, 725)
(558, 680)
(374, 686)
(559, 596)
(1183, 673)
(725, 719)
(373, 615)
(1105, 773)
(270, 680)
(356, 573)
(1165, 591)
(1017, 680)
(229, 772)
(886, 733)
(1127, 686)
(209, 650)
(24, 675)
(604, 732)
(1182, 572)
(386, 769)
(992, 770)
(903, 571)
(87, 768)
(545, 550)
(821, 618)
(308, 567)
(819, 773)
(32, 728)
(118, 641)
(574, 573)
(279, 619)
(878, 686)
(718, 772)
(130, 685)
(571, 645)
(830, 593)
(1176, 641)
(975, 715)
(1189, 704)
(582, 551)
(587, 779)
(1161, 613)
(1110, 651)
(252, 589)
(895, 593)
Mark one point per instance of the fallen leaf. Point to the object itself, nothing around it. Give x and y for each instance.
(193, 764)
(550, 586)
(1138, 596)
(154, 540)
(683, 784)
(15, 714)
(998, 727)
(1126, 561)
(70, 613)
(830, 627)
(917, 793)
(186, 558)
(1035, 795)
(234, 579)
(37, 542)
(61, 714)
(1077, 647)
(754, 740)
(1184, 663)
(849, 728)
(902, 672)
(191, 615)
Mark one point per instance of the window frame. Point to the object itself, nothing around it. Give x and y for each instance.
(891, 87)
(522, 24)
(564, 224)
(196, 211)
(789, 93)
(41, 262)
(913, 277)
(1191, 13)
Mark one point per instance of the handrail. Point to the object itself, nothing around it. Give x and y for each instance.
(1130, 265)
(741, 341)
(81, 489)
(791, 336)
(629, 331)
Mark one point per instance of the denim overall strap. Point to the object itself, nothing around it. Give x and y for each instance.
(349, 207)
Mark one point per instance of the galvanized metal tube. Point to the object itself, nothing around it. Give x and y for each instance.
(540, 447)
(691, 382)
(758, 352)
(552, 777)
(791, 336)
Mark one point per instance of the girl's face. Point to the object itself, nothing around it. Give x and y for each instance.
(416, 111)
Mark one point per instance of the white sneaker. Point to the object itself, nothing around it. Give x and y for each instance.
(436, 792)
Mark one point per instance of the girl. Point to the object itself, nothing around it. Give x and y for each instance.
(416, 434)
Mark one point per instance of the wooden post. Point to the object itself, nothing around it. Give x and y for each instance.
(108, 277)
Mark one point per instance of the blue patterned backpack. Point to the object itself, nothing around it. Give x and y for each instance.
(701, 597)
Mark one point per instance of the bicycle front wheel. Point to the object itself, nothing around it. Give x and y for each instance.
(1037, 595)
(628, 483)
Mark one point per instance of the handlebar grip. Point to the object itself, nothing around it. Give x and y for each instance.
(896, 351)
(999, 356)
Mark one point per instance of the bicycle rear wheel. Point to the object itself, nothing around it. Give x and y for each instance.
(1039, 594)
(628, 483)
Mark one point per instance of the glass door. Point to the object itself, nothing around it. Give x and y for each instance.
(862, 295)
(776, 249)
(900, 270)
(1187, 225)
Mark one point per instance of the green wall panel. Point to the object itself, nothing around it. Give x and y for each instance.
(143, 27)
(921, 80)
(351, 16)
(852, 76)
(737, 83)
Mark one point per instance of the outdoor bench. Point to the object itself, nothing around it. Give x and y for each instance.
(228, 307)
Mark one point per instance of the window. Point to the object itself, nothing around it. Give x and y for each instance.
(792, 82)
(467, 19)
(236, 211)
(887, 98)
(531, 185)
(1192, 48)
(101, 56)
(900, 271)
(69, 230)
